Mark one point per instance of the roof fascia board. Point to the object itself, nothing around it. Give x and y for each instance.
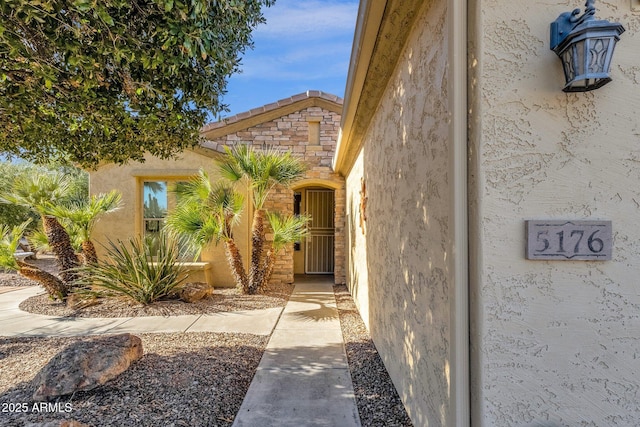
(254, 120)
(382, 30)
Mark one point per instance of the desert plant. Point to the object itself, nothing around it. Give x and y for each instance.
(82, 216)
(135, 272)
(41, 192)
(205, 214)
(9, 241)
(261, 170)
(286, 229)
(12, 214)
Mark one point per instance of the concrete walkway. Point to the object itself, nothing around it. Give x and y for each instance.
(15, 322)
(303, 378)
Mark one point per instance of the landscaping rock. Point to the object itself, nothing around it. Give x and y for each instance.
(196, 291)
(86, 365)
(58, 423)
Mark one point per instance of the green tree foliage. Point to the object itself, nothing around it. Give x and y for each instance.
(9, 239)
(80, 218)
(108, 80)
(15, 214)
(262, 171)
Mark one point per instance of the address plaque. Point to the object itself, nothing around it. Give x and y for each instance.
(569, 240)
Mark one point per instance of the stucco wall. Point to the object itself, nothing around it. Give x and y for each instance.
(399, 269)
(127, 222)
(553, 343)
(358, 271)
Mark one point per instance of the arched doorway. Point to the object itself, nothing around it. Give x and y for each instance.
(316, 255)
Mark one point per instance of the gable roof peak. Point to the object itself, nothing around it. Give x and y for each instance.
(280, 104)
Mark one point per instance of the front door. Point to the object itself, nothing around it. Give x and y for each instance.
(320, 242)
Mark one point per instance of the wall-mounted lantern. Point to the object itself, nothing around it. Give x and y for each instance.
(585, 46)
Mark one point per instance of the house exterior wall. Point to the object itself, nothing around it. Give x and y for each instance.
(400, 257)
(127, 222)
(315, 148)
(554, 343)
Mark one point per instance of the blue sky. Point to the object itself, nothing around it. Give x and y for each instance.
(305, 45)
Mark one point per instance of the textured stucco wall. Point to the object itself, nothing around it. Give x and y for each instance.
(121, 225)
(399, 272)
(553, 343)
(358, 271)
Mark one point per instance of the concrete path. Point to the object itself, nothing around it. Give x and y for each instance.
(303, 378)
(14, 322)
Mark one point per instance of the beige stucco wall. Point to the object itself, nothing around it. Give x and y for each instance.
(399, 269)
(553, 343)
(358, 273)
(127, 222)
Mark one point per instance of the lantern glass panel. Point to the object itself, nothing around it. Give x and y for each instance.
(598, 55)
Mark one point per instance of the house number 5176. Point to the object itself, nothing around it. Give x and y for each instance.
(568, 240)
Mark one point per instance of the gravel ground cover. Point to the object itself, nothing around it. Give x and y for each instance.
(377, 399)
(222, 300)
(183, 379)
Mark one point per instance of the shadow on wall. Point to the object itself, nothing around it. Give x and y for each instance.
(408, 243)
(353, 228)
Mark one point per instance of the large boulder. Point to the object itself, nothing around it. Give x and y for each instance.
(196, 291)
(86, 365)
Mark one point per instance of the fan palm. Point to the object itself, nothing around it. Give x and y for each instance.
(41, 192)
(83, 216)
(262, 170)
(286, 230)
(9, 241)
(206, 214)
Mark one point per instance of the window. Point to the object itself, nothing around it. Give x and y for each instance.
(155, 207)
(158, 199)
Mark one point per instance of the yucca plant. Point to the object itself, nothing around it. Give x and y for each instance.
(136, 272)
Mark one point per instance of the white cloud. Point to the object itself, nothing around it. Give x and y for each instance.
(309, 19)
(305, 44)
(326, 59)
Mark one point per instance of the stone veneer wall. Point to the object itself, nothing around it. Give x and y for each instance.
(292, 132)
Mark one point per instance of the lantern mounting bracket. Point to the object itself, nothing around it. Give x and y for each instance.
(568, 21)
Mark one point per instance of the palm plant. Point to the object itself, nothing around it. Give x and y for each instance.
(206, 214)
(286, 230)
(9, 241)
(82, 217)
(41, 192)
(262, 171)
(136, 271)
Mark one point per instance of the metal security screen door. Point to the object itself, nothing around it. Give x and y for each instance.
(319, 259)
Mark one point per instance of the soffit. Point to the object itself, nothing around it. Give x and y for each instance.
(381, 33)
(270, 112)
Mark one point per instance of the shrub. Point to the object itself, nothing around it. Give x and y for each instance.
(136, 271)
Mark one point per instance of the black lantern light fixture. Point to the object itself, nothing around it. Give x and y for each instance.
(585, 46)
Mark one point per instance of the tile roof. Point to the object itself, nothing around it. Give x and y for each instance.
(271, 107)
